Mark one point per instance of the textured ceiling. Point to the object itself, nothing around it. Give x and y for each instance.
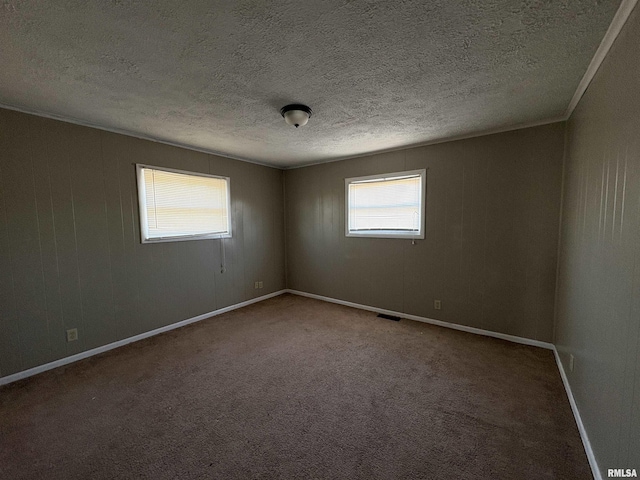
(378, 74)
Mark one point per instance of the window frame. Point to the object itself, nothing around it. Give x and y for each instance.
(392, 233)
(142, 204)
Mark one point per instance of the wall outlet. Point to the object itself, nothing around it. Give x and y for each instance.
(256, 285)
(437, 304)
(260, 285)
(72, 335)
(571, 360)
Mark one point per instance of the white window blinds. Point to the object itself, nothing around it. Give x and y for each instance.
(390, 205)
(176, 205)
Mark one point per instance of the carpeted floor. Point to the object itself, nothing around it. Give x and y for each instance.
(296, 388)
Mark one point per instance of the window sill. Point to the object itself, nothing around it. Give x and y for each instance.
(406, 236)
(185, 239)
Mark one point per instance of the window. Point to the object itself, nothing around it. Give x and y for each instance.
(386, 206)
(177, 205)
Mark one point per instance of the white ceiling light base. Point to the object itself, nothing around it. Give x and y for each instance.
(296, 114)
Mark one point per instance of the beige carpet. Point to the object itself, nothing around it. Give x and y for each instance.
(296, 388)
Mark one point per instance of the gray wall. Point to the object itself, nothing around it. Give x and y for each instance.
(598, 309)
(70, 254)
(490, 250)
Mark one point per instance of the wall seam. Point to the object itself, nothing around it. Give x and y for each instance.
(55, 245)
(110, 255)
(35, 199)
(560, 220)
(13, 281)
(284, 227)
(75, 240)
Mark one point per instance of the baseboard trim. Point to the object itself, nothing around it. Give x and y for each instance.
(432, 321)
(105, 348)
(595, 470)
(478, 331)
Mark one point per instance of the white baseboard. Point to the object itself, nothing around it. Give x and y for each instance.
(478, 331)
(432, 321)
(512, 338)
(576, 414)
(95, 351)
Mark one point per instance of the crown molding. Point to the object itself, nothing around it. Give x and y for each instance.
(618, 22)
(479, 133)
(128, 133)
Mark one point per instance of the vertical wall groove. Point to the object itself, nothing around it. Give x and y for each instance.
(81, 322)
(39, 234)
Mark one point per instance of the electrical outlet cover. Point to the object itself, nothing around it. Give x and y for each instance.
(571, 363)
(72, 334)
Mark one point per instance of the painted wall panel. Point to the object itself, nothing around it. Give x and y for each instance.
(24, 243)
(10, 348)
(43, 148)
(598, 314)
(57, 138)
(90, 219)
(70, 251)
(489, 253)
(126, 151)
(123, 293)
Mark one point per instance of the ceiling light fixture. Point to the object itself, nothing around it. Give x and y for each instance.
(296, 114)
